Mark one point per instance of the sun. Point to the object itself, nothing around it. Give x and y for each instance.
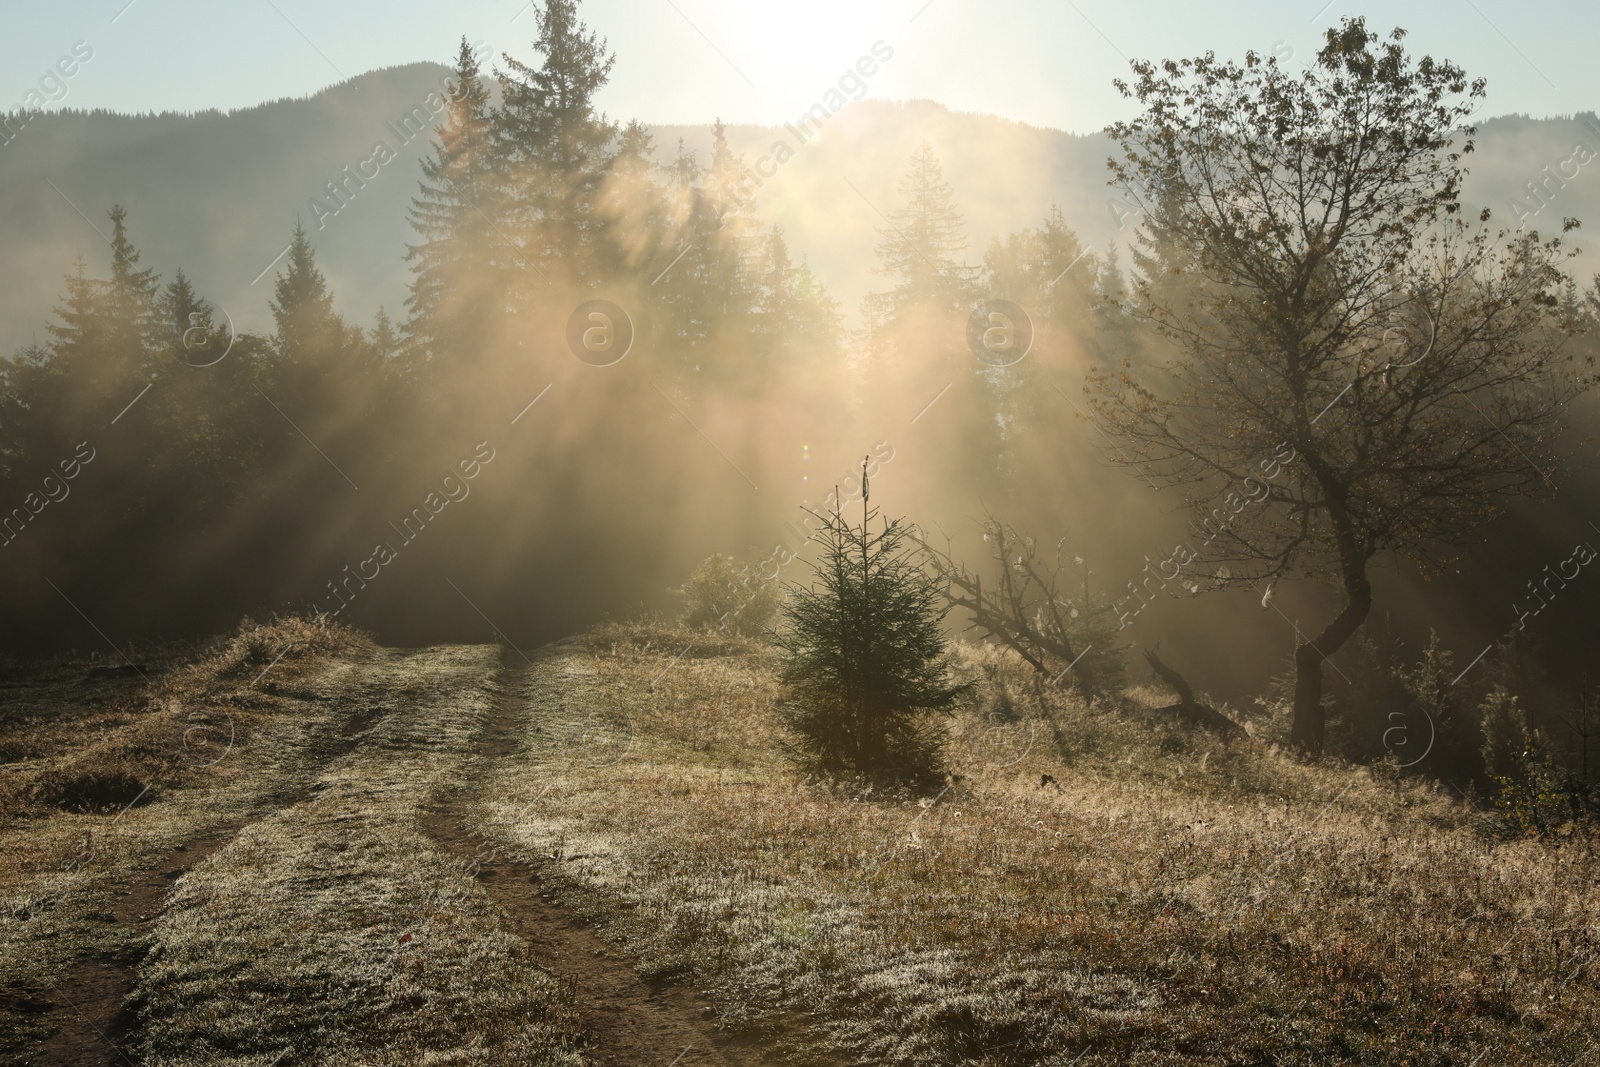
(798, 52)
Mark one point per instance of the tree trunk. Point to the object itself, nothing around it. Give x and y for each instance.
(1309, 720)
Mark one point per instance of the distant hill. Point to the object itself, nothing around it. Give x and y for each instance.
(218, 194)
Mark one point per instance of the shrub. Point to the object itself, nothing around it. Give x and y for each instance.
(867, 661)
(723, 595)
(1530, 796)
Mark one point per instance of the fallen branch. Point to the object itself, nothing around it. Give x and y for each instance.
(1024, 609)
(1189, 710)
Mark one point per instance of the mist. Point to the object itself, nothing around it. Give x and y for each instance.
(288, 452)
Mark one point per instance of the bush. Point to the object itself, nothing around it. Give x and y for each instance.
(867, 661)
(1530, 797)
(724, 595)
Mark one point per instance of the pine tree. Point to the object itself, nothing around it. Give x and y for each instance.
(458, 266)
(921, 246)
(680, 281)
(130, 299)
(1044, 270)
(554, 142)
(633, 212)
(732, 244)
(106, 337)
(635, 149)
(308, 329)
(866, 656)
(208, 417)
(776, 311)
(385, 340)
(790, 305)
(187, 327)
(80, 328)
(821, 321)
(1047, 273)
(727, 178)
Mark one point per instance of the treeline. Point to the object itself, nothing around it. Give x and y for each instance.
(235, 472)
(460, 470)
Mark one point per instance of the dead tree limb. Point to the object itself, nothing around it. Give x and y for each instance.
(1022, 609)
(1187, 709)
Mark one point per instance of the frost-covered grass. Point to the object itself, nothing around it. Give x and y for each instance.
(1167, 899)
(203, 745)
(334, 932)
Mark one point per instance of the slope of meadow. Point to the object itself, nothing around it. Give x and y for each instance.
(386, 863)
(1158, 898)
(220, 863)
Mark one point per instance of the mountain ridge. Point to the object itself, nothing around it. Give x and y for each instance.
(224, 221)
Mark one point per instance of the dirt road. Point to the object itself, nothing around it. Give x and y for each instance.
(356, 918)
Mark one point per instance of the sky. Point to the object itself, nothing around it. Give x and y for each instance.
(1044, 62)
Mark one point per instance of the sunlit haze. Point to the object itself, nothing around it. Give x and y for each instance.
(761, 533)
(1045, 62)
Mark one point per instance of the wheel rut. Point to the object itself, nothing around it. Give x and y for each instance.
(630, 1022)
(94, 1021)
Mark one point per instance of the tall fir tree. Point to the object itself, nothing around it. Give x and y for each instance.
(459, 265)
(308, 329)
(130, 300)
(734, 247)
(921, 247)
(555, 145)
(634, 214)
(790, 306)
(679, 282)
(104, 340)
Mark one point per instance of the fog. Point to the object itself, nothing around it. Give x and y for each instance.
(507, 457)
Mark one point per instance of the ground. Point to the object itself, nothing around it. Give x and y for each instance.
(295, 847)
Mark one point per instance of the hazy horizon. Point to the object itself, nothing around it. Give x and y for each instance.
(686, 62)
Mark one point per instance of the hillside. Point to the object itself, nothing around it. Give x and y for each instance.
(595, 853)
(218, 194)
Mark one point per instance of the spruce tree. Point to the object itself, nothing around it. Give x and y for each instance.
(209, 418)
(776, 310)
(308, 329)
(679, 281)
(867, 663)
(921, 246)
(324, 375)
(187, 327)
(790, 305)
(731, 237)
(105, 339)
(458, 264)
(79, 331)
(385, 340)
(633, 211)
(554, 144)
(130, 299)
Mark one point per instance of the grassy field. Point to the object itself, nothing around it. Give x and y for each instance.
(107, 775)
(326, 929)
(1158, 898)
(599, 854)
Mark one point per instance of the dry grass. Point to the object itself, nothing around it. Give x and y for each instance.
(79, 750)
(334, 933)
(1167, 900)
(84, 745)
(1159, 898)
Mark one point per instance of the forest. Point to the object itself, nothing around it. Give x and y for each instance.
(961, 675)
